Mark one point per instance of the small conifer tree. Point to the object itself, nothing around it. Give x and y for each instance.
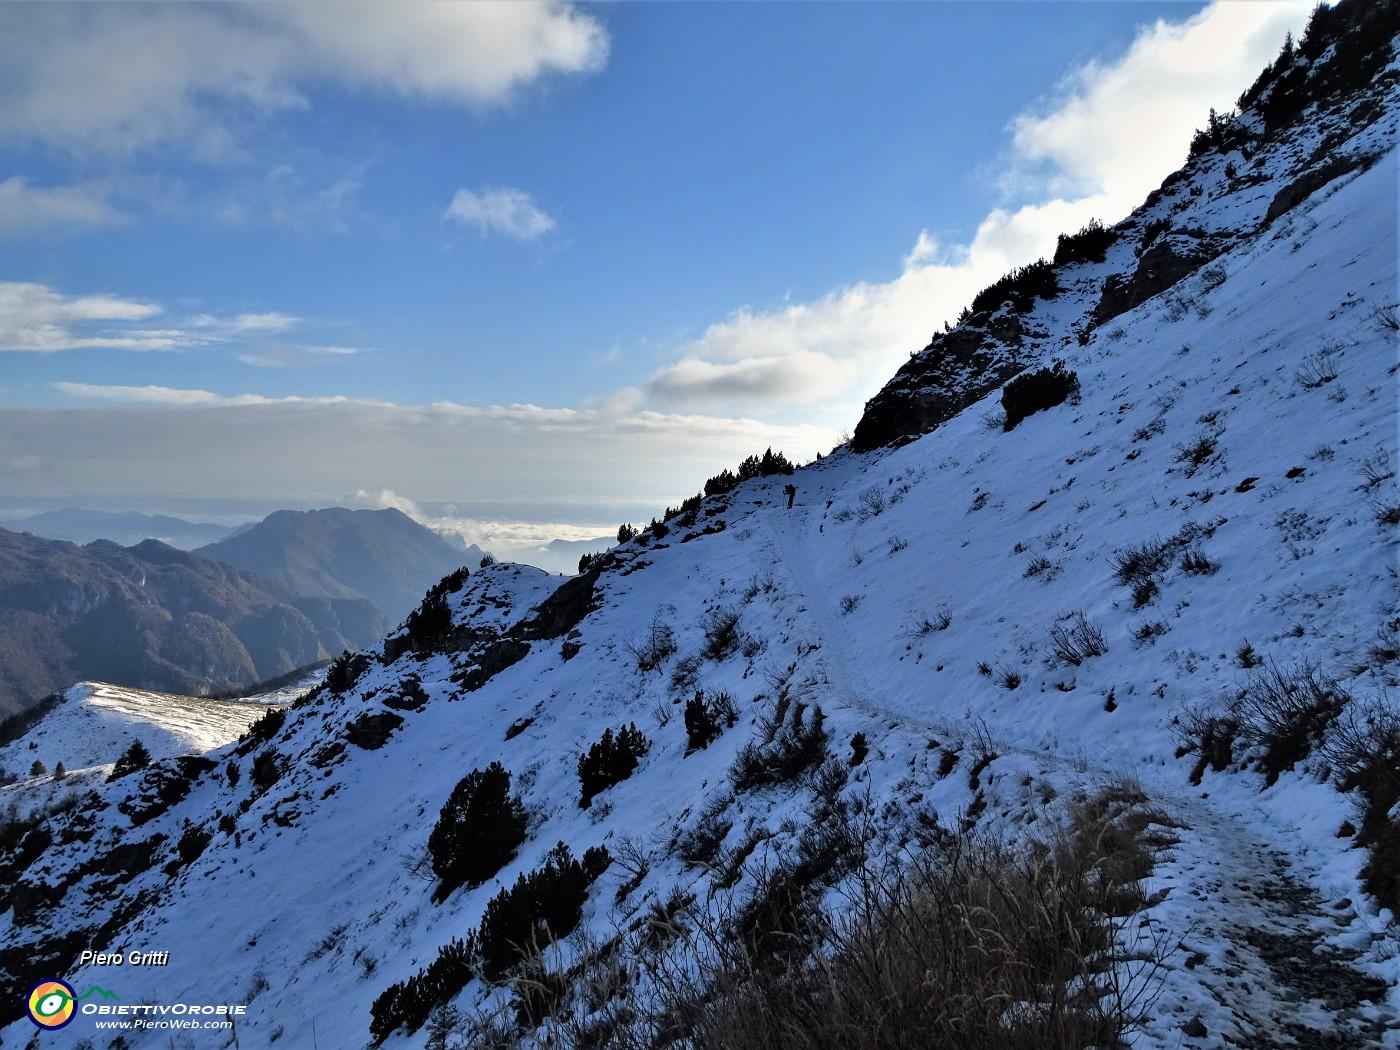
(133, 758)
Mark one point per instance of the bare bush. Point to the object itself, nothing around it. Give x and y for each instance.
(1364, 752)
(1075, 639)
(927, 623)
(872, 502)
(654, 647)
(1039, 567)
(1375, 469)
(722, 635)
(1195, 562)
(1285, 711)
(1210, 734)
(1195, 453)
(1317, 369)
(787, 748)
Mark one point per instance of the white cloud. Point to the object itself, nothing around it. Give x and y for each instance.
(477, 53)
(500, 210)
(293, 355)
(40, 319)
(386, 499)
(33, 317)
(1116, 129)
(268, 322)
(128, 76)
(25, 208)
(1109, 134)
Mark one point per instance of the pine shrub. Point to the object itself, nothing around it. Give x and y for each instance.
(1090, 244)
(1020, 288)
(478, 830)
(610, 761)
(543, 904)
(1032, 392)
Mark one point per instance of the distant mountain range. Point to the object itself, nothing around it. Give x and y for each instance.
(121, 527)
(382, 555)
(154, 617)
(298, 587)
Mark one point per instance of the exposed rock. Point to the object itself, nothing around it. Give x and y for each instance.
(1166, 261)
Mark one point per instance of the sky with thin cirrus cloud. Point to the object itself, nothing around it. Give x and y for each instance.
(534, 265)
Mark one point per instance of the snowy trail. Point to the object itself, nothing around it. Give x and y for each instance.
(1249, 911)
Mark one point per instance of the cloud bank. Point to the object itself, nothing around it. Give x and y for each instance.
(531, 462)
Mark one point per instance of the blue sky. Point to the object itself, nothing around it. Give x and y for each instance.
(535, 268)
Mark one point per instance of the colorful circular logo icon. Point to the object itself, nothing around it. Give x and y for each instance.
(51, 1003)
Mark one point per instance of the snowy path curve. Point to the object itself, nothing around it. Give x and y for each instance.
(1249, 939)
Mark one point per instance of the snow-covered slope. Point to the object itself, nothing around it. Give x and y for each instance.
(95, 722)
(1244, 419)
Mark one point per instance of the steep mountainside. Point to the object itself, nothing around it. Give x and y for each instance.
(153, 617)
(1130, 657)
(1243, 180)
(382, 555)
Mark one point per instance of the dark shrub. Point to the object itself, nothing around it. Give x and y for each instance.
(1285, 713)
(1090, 244)
(763, 466)
(610, 761)
(431, 620)
(1020, 288)
(859, 749)
(263, 730)
(345, 671)
(706, 718)
(267, 769)
(1032, 392)
(193, 839)
(478, 830)
(407, 1004)
(133, 758)
(162, 784)
(1365, 754)
(543, 904)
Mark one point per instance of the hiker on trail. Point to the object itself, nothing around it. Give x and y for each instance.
(791, 491)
